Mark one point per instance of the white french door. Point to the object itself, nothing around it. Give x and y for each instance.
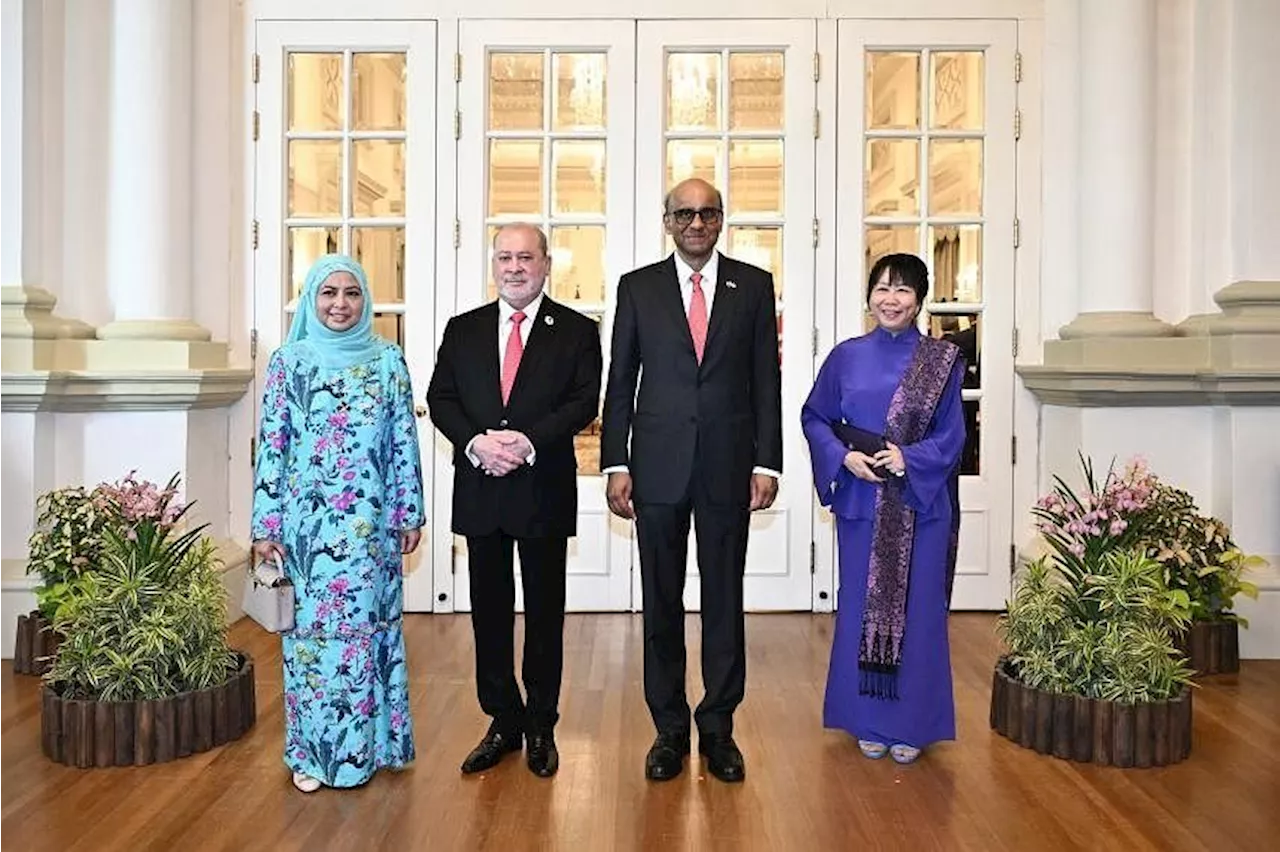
(345, 162)
(734, 102)
(546, 131)
(581, 126)
(926, 164)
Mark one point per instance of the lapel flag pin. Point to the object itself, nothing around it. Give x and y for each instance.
(731, 285)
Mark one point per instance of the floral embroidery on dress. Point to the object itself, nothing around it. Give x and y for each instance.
(338, 475)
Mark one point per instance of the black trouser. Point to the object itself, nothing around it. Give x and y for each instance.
(493, 600)
(721, 534)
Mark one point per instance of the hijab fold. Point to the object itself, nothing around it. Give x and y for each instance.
(329, 348)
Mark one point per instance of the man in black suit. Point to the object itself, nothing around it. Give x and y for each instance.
(515, 380)
(698, 331)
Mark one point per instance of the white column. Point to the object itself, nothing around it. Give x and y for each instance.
(28, 328)
(1255, 139)
(149, 232)
(1117, 145)
(16, 162)
(1250, 301)
(26, 308)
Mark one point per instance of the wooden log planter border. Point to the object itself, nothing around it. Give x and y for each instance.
(1212, 646)
(137, 733)
(34, 645)
(1091, 730)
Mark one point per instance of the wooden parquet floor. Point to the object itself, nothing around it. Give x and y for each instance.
(806, 788)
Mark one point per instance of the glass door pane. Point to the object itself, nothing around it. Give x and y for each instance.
(735, 106)
(547, 138)
(345, 162)
(928, 107)
(923, 184)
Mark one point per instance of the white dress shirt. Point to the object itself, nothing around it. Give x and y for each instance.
(505, 326)
(710, 283)
(684, 274)
(505, 312)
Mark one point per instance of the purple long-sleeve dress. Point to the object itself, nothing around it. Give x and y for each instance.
(856, 383)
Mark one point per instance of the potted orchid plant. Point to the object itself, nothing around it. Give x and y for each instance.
(143, 672)
(1093, 672)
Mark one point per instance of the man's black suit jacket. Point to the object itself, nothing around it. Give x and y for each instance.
(717, 420)
(556, 394)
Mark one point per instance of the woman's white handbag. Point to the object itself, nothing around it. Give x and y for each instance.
(268, 596)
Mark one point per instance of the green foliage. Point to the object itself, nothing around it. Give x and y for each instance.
(150, 620)
(66, 543)
(1198, 555)
(1101, 628)
(1135, 510)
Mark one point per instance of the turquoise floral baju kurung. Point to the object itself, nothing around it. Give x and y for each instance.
(338, 476)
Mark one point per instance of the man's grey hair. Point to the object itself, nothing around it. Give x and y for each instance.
(666, 199)
(542, 237)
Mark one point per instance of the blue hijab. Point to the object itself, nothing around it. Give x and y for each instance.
(329, 348)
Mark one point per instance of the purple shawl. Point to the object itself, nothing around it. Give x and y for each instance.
(884, 617)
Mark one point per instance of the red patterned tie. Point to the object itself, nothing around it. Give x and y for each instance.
(511, 358)
(698, 316)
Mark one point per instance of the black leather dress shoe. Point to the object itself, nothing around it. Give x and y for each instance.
(541, 755)
(495, 746)
(724, 760)
(666, 757)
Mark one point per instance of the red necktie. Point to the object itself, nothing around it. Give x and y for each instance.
(698, 316)
(511, 358)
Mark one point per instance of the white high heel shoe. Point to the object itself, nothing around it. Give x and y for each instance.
(306, 783)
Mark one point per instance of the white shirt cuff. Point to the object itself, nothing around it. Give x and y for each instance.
(472, 457)
(767, 472)
(617, 468)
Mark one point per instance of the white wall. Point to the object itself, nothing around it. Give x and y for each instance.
(1217, 202)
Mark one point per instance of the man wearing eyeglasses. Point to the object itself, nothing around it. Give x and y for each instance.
(702, 437)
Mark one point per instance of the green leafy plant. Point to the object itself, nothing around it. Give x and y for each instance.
(1198, 555)
(66, 543)
(1101, 628)
(1135, 510)
(151, 621)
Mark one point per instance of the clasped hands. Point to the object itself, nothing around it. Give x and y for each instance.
(502, 450)
(865, 467)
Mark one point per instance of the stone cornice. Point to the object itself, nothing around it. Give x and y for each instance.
(123, 390)
(1094, 387)
(1228, 358)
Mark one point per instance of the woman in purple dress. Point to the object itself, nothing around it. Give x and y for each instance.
(885, 427)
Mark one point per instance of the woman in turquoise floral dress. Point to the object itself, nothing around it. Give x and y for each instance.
(338, 497)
